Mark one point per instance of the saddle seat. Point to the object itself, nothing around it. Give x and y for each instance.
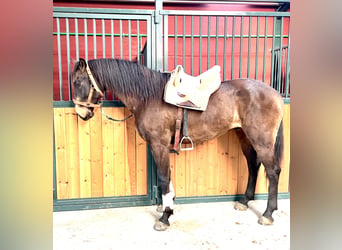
(192, 92)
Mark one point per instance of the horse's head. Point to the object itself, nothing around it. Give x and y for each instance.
(86, 92)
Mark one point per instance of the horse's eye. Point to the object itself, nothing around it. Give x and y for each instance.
(180, 80)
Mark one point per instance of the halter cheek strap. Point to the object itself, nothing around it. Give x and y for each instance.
(92, 79)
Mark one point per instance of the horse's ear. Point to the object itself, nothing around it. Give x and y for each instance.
(82, 65)
(73, 61)
(179, 68)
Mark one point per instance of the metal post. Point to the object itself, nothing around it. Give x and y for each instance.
(158, 52)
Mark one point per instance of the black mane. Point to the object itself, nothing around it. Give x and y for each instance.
(129, 78)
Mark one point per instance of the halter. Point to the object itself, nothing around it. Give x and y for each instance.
(93, 87)
(88, 103)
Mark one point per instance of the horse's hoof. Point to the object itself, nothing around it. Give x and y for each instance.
(159, 208)
(239, 206)
(265, 221)
(160, 226)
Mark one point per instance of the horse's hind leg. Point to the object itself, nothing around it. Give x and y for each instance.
(161, 157)
(253, 167)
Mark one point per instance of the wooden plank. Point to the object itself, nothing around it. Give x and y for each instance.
(141, 165)
(180, 174)
(212, 173)
(242, 168)
(131, 152)
(233, 162)
(119, 154)
(72, 153)
(96, 155)
(108, 157)
(60, 153)
(285, 171)
(201, 168)
(85, 158)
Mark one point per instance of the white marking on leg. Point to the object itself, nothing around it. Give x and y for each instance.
(168, 198)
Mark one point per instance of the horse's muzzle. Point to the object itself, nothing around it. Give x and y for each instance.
(83, 112)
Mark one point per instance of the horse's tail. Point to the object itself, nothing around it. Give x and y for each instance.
(279, 145)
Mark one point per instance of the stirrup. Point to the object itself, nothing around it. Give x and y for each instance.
(189, 148)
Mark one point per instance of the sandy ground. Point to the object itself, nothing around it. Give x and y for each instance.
(193, 226)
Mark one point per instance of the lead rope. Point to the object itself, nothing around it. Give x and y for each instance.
(113, 119)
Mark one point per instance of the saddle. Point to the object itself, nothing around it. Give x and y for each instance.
(191, 92)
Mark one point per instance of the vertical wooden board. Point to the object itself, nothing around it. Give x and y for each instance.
(180, 174)
(285, 166)
(141, 165)
(233, 162)
(173, 170)
(242, 168)
(108, 158)
(202, 168)
(60, 153)
(73, 164)
(119, 153)
(131, 152)
(223, 167)
(85, 158)
(212, 173)
(96, 155)
(192, 173)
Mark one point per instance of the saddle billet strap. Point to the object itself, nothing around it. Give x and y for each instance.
(185, 133)
(177, 130)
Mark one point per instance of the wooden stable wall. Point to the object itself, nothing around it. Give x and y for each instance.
(100, 158)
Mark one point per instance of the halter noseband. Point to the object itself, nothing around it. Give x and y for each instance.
(93, 87)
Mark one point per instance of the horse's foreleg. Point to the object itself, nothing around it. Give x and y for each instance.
(161, 157)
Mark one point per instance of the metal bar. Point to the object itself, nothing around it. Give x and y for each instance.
(192, 45)
(138, 42)
(129, 41)
(249, 45)
(69, 10)
(85, 40)
(241, 44)
(170, 35)
(208, 63)
(224, 48)
(222, 13)
(176, 37)
(68, 56)
(59, 60)
(94, 37)
(216, 44)
(112, 36)
(76, 40)
(281, 55)
(257, 49)
(184, 42)
(149, 43)
(100, 16)
(287, 81)
(103, 39)
(166, 43)
(121, 50)
(273, 54)
(265, 46)
(233, 49)
(200, 45)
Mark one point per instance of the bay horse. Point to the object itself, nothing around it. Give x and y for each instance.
(252, 108)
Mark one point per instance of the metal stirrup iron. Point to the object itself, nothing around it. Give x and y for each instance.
(185, 133)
